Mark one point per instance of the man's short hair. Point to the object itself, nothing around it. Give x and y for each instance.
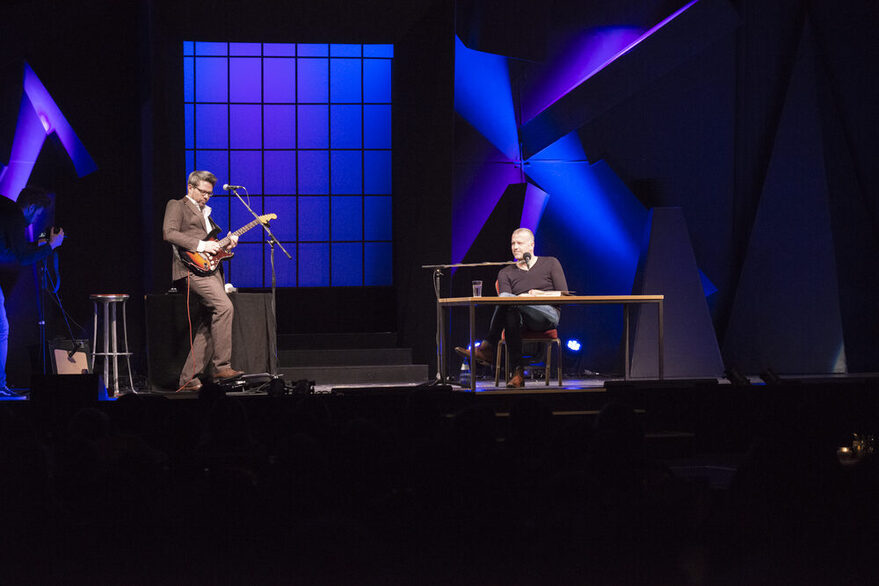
(197, 177)
(34, 195)
(524, 231)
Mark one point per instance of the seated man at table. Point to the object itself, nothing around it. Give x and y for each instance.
(530, 276)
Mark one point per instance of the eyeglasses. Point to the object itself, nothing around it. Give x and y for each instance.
(207, 193)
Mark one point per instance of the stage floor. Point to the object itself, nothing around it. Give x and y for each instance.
(485, 386)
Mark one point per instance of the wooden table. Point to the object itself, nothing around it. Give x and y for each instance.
(624, 300)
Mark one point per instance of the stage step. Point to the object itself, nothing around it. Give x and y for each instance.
(348, 359)
(345, 357)
(336, 341)
(357, 374)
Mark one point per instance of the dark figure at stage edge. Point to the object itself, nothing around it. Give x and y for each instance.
(16, 250)
(187, 225)
(531, 275)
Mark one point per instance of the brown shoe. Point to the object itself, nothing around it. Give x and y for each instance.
(484, 353)
(227, 373)
(191, 386)
(518, 380)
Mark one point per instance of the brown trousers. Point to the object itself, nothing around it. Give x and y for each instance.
(212, 339)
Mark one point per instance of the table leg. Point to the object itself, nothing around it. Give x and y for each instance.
(472, 348)
(95, 337)
(626, 338)
(661, 344)
(441, 366)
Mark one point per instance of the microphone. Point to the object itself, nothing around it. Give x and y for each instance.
(227, 187)
(526, 257)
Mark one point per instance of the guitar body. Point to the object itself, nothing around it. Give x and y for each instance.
(204, 264)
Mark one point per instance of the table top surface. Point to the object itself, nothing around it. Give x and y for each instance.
(542, 300)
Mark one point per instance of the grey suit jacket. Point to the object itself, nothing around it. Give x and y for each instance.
(184, 227)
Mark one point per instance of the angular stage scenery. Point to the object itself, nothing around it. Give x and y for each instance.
(432, 292)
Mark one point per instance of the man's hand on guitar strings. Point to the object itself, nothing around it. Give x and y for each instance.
(212, 247)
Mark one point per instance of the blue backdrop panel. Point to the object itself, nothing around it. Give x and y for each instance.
(345, 80)
(279, 82)
(212, 126)
(245, 80)
(668, 267)
(245, 130)
(292, 122)
(246, 169)
(280, 172)
(377, 268)
(345, 127)
(279, 50)
(347, 268)
(313, 80)
(210, 79)
(347, 223)
(285, 268)
(314, 218)
(246, 265)
(667, 47)
(279, 127)
(346, 174)
(220, 213)
(314, 265)
(313, 127)
(240, 217)
(283, 206)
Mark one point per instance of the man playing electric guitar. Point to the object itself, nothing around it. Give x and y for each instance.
(187, 225)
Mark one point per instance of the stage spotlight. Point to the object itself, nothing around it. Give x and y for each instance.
(736, 378)
(770, 378)
(574, 345)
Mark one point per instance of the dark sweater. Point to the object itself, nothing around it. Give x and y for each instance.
(545, 275)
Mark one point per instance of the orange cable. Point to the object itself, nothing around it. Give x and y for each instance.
(191, 342)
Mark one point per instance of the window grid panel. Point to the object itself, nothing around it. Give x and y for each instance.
(330, 160)
(318, 261)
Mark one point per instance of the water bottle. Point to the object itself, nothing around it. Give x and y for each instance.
(464, 374)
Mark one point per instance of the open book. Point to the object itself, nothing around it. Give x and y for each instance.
(538, 293)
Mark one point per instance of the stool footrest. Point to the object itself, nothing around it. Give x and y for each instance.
(111, 357)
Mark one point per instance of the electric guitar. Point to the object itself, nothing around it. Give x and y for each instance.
(205, 264)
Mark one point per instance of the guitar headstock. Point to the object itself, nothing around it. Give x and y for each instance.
(267, 218)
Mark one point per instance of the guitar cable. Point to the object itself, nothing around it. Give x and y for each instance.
(55, 296)
(191, 341)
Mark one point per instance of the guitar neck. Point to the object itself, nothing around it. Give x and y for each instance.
(226, 241)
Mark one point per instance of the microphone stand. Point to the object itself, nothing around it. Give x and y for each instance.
(271, 242)
(441, 366)
(41, 315)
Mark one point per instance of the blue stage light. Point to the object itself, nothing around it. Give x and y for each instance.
(483, 97)
(39, 116)
(574, 345)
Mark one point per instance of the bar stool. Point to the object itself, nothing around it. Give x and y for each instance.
(108, 302)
